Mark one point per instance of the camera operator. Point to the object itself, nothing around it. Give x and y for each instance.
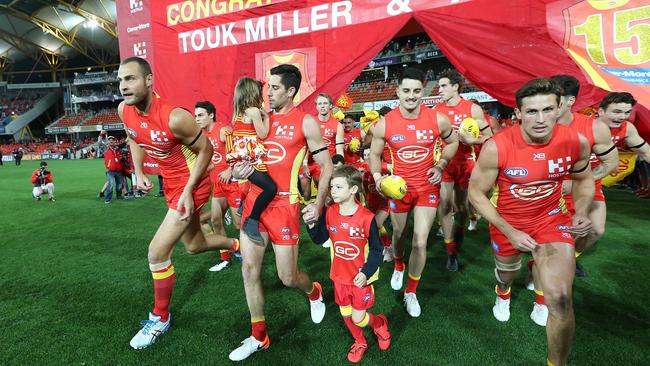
(113, 164)
(42, 180)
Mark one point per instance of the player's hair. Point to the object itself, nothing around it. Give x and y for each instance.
(145, 68)
(413, 74)
(617, 97)
(384, 110)
(43, 163)
(350, 116)
(248, 93)
(326, 96)
(289, 76)
(209, 107)
(454, 78)
(570, 85)
(542, 86)
(352, 177)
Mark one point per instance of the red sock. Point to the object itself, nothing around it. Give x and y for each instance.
(259, 329)
(315, 292)
(224, 255)
(505, 295)
(163, 285)
(539, 297)
(451, 247)
(412, 284)
(530, 264)
(235, 246)
(399, 264)
(357, 332)
(385, 240)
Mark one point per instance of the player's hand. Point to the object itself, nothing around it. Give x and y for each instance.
(225, 176)
(360, 280)
(242, 170)
(567, 184)
(581, 226)
(435, 175)
(377, 185)
(144, 184)
(185, 205)
(522, 241)
(311, 213)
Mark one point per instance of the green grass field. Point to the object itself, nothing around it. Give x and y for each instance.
(75, 283)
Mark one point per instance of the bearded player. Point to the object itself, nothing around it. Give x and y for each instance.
(171, 137)
(455, 179)
(225, 192)
(411, 132)
(292, 132)
(528, 163)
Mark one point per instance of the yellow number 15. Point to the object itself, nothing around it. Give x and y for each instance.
(592, 29)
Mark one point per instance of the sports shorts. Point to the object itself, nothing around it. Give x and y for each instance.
(598, 196)
(458, 172)
(424, 196)
(360, 298)
(282, 223)
(173, 188)
(544, 230)
(232, 191)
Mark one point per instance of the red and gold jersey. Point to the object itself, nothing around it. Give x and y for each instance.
(584, 125)
(350, 157)
(456, 116)
(618, 136)
(152, 133)
(219, 147)
(328, 131)
(530, 175)
(350, 247)
(242, 143)
(412, 143)
(286, 147)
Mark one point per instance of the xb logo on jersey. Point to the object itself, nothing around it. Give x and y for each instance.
(345, 250)
(275, 152)
(412, 154)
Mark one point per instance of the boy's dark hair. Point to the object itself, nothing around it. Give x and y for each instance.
(352, 176)
(209, 107)
(289, 76)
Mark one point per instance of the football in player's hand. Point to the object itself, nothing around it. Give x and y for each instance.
(393, 186)
(470, 125)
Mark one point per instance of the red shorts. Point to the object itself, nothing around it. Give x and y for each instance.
(375, 202)
(314, 170)
(458, 172)
(425, 196)
(282, 223)
(544, 230)
(232, 191)
(360, 298)
(173, 188)
(598, 196)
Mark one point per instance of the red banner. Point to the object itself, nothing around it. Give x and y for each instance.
(202, 47)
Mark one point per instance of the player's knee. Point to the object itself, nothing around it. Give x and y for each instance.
(419, 241)
(250, 272)
(194, 247)
(559, 302)
(289, 279)
(597, 232)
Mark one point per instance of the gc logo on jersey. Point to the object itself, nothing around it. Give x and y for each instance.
(533, 191)
(412, 154)
(346, 251)
(276, 152)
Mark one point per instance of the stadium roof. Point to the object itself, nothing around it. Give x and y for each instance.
(51, 32)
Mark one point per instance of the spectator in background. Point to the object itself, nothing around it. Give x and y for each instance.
(43, 182)
(18, 155)
(1, 163)
(113, 164)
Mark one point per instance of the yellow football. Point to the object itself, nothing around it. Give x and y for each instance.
(354, 145)
(470, 125)
(393, 186)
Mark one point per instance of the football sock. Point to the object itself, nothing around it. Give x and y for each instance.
(163, 285)
(539, 297)
(370, 320)
(530, 264)
(235, 246)
(258, 328)
(357, 332)
(316, 291)
(451, 246)
(505, 295)
(399, 264)
(224, 255)
(412, 283)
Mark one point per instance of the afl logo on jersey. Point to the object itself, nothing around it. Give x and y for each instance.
(345, 250)
(533, 191)
(396, 138)
(131, 132)
(413, 154)
(276, 152)
(516, 172)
